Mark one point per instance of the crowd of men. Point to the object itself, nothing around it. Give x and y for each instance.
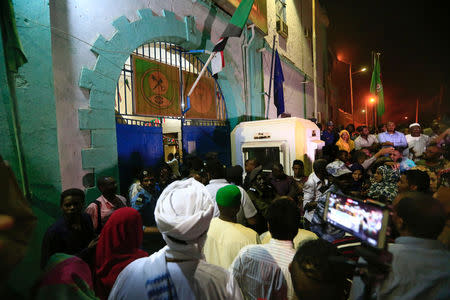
(199, 230)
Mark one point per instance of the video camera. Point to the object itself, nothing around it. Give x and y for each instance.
(367, 220)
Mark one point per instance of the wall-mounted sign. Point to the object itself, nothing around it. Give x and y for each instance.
(261, 135)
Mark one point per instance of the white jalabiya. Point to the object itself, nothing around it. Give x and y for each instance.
(183, 213)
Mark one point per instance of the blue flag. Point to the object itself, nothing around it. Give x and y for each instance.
(278, 80)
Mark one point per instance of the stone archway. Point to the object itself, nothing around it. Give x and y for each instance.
(99, 117)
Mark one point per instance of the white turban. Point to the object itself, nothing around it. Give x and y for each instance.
(184, 210)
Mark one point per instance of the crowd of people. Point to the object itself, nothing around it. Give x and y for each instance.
(196, 229)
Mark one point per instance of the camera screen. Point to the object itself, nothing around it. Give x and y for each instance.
(363, 220)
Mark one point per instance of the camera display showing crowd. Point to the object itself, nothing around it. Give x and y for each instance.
(196, 229)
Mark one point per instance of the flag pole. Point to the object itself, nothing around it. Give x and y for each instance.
(188, 101)
(270, 77)
(417, 110)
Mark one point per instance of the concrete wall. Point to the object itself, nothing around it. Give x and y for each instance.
(296, 55)
(37, 118)
(87, 20)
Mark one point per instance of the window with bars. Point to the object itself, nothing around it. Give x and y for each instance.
(169, 54)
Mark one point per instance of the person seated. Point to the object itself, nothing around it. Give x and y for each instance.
(64, 277)
(313, 274)
(365, 140)
(262, 271)
(358, 179)
(178, 271)
(106, 204)
(420, 267)
(341, 182)
(119, 245)
(225, 236)
(384, 184)
(344, 142)
(433, 160)
(414, 180)
(73, 232)
(402, 163)
(417, 142)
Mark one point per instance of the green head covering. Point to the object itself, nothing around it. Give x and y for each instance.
(228, 196)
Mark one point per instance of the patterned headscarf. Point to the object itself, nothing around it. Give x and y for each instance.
(387, 187)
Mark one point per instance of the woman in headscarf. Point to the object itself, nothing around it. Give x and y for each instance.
(344, 142)
(384, 184)
(65, 277)
(358, 178)
(117, 247)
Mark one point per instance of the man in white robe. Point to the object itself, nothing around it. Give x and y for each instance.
(178, 271)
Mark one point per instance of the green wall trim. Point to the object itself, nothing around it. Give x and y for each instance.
(101, 80)
(96, 118)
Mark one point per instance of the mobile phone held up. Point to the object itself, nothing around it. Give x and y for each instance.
(365, 219)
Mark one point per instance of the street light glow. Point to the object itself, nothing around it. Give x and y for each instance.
(372, 100)
(363, 111)
(363, 69)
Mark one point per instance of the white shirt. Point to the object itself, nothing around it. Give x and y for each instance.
(262, 271)
(418, 144)
(301, 237)
(247, 209)
(311, 192)
(361, 142)
(225, 240)
(192, 279)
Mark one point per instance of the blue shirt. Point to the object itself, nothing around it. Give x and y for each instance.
(420, 270)
(397, 138)
(328, 137)
(145, 204)
(406, 164)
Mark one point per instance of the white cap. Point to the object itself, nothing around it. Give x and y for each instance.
(414, 124)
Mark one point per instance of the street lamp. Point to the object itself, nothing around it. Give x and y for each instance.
(372, 101)
(350, 73)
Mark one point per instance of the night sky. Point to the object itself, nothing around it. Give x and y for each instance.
(413, 38)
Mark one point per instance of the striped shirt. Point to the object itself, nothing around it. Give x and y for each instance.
(262, 271)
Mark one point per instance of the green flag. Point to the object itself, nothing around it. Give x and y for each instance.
(237, 22)
(376, 87)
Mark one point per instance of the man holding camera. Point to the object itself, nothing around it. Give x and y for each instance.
(420, 266)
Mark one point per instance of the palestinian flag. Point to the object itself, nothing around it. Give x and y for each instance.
(237, 23)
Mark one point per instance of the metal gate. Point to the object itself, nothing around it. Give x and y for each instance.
(198, 136)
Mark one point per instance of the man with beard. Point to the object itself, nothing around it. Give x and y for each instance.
(417, 142)
(365, 140)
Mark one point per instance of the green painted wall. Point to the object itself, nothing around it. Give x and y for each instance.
(37, 117)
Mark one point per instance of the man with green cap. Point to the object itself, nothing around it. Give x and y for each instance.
(225, 236)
